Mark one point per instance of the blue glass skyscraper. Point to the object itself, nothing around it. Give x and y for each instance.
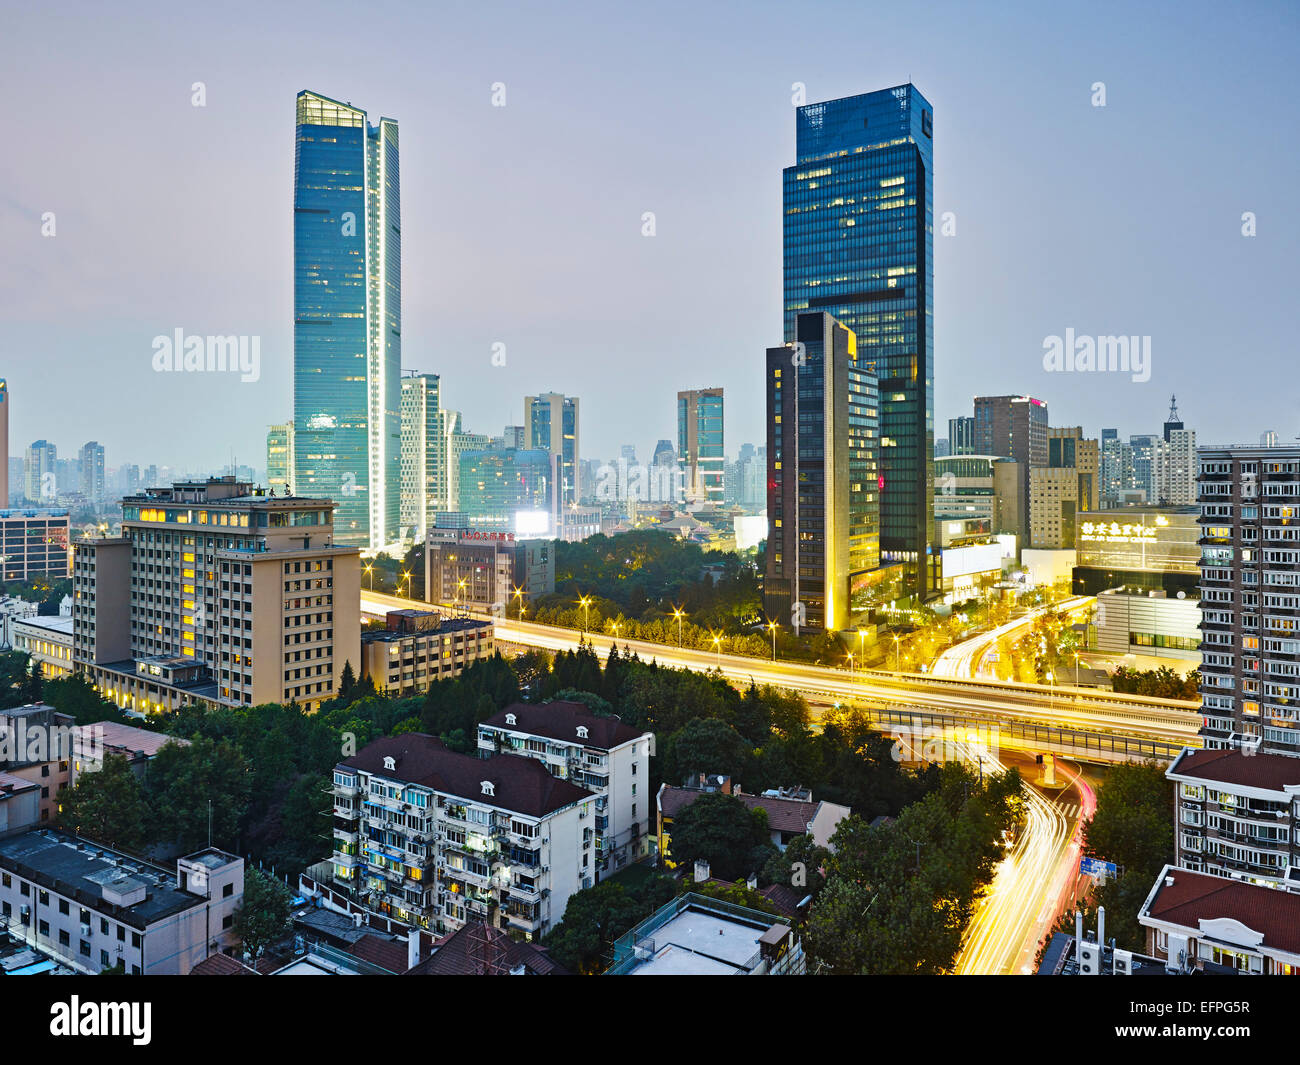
(347, 336)
(858, 245)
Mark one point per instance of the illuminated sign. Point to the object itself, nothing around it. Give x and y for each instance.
(1115, 533)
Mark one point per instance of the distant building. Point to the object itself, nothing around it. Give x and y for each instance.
(90, 460)
(961, 436)
(1059, 490)
(1013, 427)
(700, 444)
(40, 473)
(279, 458)
(551, 425)
(36, 745)
(506, 491)
(34, 543)
(486, 570)
(47, 640)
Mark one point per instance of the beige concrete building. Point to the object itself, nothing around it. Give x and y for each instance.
(417, 647)
(1068, 485)
(36, 745)
(47, 640)
(217, 593)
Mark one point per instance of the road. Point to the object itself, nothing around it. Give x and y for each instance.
(968, 658)
(1032, 883)
(1085, 709)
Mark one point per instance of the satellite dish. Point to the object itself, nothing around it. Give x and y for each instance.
(1182, 595)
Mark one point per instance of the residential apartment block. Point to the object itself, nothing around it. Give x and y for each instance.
(603, 755)
(91, 907)
(216, 593)
(438, 839)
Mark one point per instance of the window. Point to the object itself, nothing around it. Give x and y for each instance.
(227, 891)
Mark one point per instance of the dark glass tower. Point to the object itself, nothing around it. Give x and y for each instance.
(858, 239)
(699, 444)
(823, 477)
(347, 301)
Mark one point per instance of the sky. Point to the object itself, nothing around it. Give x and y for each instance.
(522, 225)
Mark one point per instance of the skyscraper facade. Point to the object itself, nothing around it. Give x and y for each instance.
(858, 244)
(90, 461)
(279, 458)
(1013, 427)
(699, 444)
(961, 436)
(40, 472)
(551, 425)
(424, 454)
(347, 317)
(823, 502)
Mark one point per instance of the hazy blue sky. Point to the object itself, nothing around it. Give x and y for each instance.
(522, 224)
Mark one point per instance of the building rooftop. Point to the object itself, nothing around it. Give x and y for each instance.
(1270, 772)
(95, 876)
(518, 785)
(117, 737)
(54, 623)
(783, 815)
(222, 965)
(560, 720)
(1188, 899)
(479, 950)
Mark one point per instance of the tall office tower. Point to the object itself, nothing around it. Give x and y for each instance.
(1013, 427)
(858, 244)
(1249, 688)
(1174, 476)
(4, 442)
(1068, 485)
(216, 594)
(1143, 477)
(40, 472)
(514, 437)
(699, 444)
(1268, 438)
(90, 460)
(424, 454)
(664, 454)
(347, 300)
(961, 436)
(1109, 475)
(942, 449)
(551, 424)
(823, 471)
(279, 458)
(628, 454)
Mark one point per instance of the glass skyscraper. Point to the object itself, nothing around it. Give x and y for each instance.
(347, 337)
(700, 443)
(858, 244)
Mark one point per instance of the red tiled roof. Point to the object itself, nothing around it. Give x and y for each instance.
(129, 738)
(783, 815)
(390, 954)
(521, 785)
(222, 965)
(559, 720)
(470, 950)
(1271, 771)
(1194, 897)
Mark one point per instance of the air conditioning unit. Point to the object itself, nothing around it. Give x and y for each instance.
(1089, 958)
(1123, 963)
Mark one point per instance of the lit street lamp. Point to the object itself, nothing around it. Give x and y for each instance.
(370, 572)
(896, 669)
(679, 614)
(717, 646)
(584, 602)
(772, 625)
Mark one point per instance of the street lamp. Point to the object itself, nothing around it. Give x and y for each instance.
(678, 613)
(849, 656)
(1076, 669)
(772, 625)
(407, 578)
(861, 634)
(896, 669)
(584, 602)
(1051, 694)
(717, 646)
(455, 596)
(370, 572)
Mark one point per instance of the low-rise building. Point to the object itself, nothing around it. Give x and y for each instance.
(695, 935)
(1196, 921)
(791, 812)
(1148, 623)
(603, 755)
(20, 804)
(47, 640)
(438, 839)
(91, 744)
(486, 570)
(36, 745)
(91, 907)
(417, 647)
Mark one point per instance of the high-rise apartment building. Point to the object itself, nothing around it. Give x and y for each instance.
(507, 491)
(279, 458)
(858, 244)
(217, 594)
(1013, 427)
(425, 454)
(1250, 557)
(90, 460)
(961, 436)
(40, 472)
(1143, 449)
(699, 444)
(347, 298)
(551, 425)
(823, 476)
(1174, 478)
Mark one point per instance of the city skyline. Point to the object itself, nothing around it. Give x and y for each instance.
(476, 232)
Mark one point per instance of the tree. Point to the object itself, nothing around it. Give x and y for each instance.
(347, 679)
(706, 746)
(107, 806)
(263, 915)
(721, 830)
(594, 918)
(800, 866)
(32, 684)
(187, 784)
